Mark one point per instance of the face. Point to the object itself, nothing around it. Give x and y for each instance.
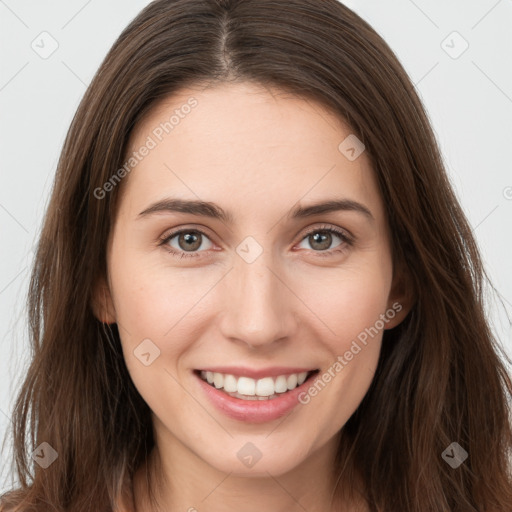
(256, 288)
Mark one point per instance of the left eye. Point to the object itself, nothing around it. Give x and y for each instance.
(323, 238)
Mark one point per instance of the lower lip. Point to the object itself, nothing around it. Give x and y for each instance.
(253, 411)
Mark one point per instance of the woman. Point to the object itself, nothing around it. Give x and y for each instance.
(195, 349)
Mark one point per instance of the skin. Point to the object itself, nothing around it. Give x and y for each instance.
(255, 152)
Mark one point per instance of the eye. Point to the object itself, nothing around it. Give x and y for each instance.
(187, 243)
(320, 239)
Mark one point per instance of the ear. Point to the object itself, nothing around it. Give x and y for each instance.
(102, 304)
(401, 298)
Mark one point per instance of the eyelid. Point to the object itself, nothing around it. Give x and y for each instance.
(325, 226)
(175, 231)
(162, 240)
(346, 237)
(303, 233)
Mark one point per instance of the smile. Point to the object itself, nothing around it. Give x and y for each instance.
(247, 388)
(258, 395)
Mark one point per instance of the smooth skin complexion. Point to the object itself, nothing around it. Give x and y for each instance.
(258, 154)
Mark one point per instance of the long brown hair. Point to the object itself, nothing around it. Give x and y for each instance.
(441, 377)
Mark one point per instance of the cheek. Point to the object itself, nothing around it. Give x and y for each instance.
(161, 304)
(139, 304)
(150, 298)
(143, 314)
(155, 329)
(349, 299)
(350, 309)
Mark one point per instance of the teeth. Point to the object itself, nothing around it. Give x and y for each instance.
(265, 387)
(301, 377)
(230, 384)
(218, 380)
(281, 386)
(291, 381)
(246, 386)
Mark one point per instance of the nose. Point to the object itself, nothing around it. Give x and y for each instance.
(257, 305)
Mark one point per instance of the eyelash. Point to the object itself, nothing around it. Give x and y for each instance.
(347, 241)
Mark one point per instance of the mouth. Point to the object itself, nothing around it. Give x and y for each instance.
(243, 387)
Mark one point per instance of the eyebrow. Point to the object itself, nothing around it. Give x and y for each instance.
(208, 209)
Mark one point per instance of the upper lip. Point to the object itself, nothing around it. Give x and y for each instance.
(255, 373)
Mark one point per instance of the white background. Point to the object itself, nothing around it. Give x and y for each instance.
(469, 101)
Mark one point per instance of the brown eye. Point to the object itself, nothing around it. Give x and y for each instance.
(189, 241)
(186, 241)
(320, 240)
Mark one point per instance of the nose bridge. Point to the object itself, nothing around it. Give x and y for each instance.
(258, 304)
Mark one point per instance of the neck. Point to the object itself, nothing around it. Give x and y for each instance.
(183, 481)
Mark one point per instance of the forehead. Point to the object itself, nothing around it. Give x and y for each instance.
(233, 142)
